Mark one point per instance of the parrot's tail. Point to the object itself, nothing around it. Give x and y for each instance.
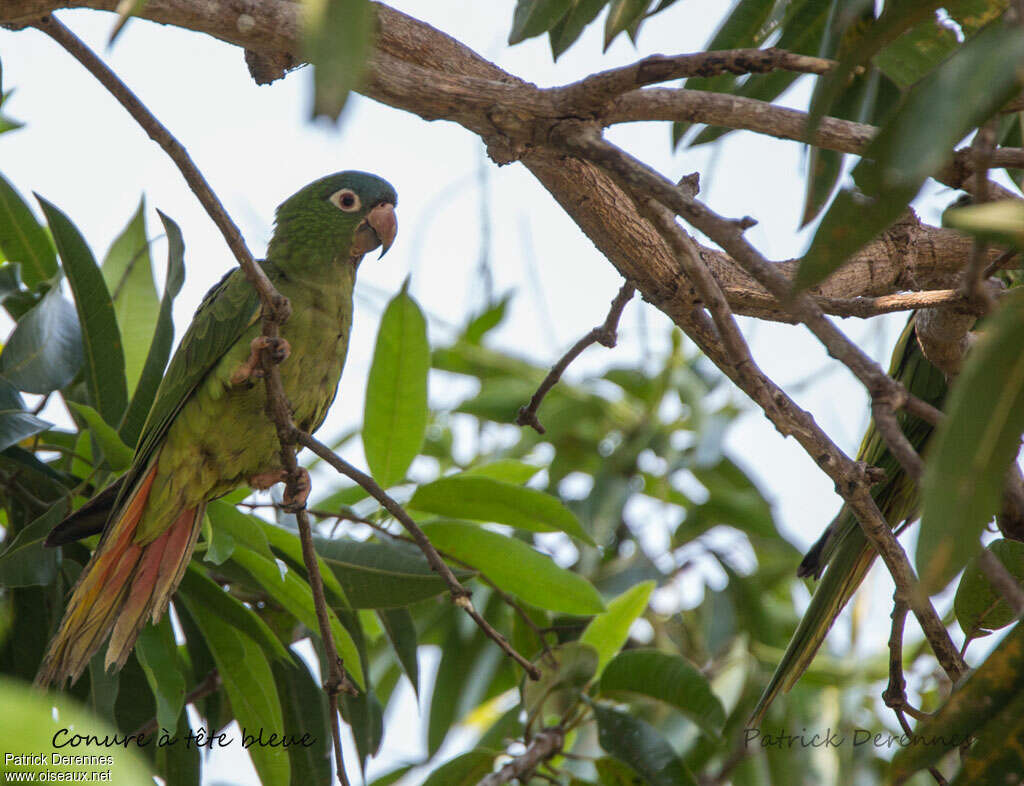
(844, 574)
(123, 584)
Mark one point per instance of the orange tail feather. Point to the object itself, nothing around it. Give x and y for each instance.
(123, 584)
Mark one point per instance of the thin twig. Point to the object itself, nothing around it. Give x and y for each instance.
(275, 312)
(459, 594)
(982, 147)
(604, 334)
(545, 745)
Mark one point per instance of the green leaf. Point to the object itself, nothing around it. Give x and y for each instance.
(506, 470)
(464, 770)
(973, 447)
(395, 418)
(26, 561)
(917, 141)
(288, 544)
(668, 678)
(158, 656)
(44, 353)
(117, 454)
(245, 529)
(32, 719)
(104, 356)
(482, 324)
(249, 684)
(23, 240)
(378, 575)
(1001, 221)
(295, 595)
(15, 423)
(220, 544)
(980, 697)
(569, 28)
(163, 337)
(534, 17)
(641, 746)
(336, 38)
(559, 688)
(622, 15)
(608, 631)
(401, 631)
(484, 499)
(911, 56)
(197, 590)
(852, 221)
(516, 568)
(305, 713)
(978, 605)
(128, 272)
(993, 758)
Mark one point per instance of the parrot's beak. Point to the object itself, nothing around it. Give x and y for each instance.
(378, 229)
(383, 222)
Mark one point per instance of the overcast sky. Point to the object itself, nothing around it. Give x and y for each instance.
(256, 146)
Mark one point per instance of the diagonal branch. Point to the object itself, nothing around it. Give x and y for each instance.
(604, 334)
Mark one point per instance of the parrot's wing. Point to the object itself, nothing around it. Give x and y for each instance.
(844, 547)
(226, 312)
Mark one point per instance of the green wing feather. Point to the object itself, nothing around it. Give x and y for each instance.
(844, 548)
(226, 312)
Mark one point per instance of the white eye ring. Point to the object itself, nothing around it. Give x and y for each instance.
(346, 200)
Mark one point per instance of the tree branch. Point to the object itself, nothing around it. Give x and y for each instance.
(545, 745)
(459, 594)
(604, 334)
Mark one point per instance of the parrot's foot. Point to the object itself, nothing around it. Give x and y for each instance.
(252, 368)
(290, 502)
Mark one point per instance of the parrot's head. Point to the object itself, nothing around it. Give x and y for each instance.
(346, 214)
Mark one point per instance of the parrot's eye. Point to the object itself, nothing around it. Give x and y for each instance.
(346, 200)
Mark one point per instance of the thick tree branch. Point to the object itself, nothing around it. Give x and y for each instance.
(545, 745)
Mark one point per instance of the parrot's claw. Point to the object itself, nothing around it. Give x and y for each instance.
(290, 502)
(252, 368)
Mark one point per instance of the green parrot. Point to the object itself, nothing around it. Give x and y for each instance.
(207, 432)
(843, 552)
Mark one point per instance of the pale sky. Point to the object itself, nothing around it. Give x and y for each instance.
(81, 151)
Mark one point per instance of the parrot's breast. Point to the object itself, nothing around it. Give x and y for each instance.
(222, 435)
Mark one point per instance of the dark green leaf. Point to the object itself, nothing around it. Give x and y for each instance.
(377, 575)
(484, 499)
(163, 337)
(199, 591)
(26, 562)
(176, 764)
(534, 17)
(15, 423)
(401, 632)
(973, 447)
(622, 15)
(249, 684)
(464, 770)
(641, 746)
(395, 417)
(22, 239)
(158, 656)
(305, 713)
(128, 272)
(104, 356)
(986, 691)
(917, 141)
(852, 221)
(996, 756)
(978, 604)
(667, 678)
(44, 352)
(516, 568)
(295, 595)
(336, 38)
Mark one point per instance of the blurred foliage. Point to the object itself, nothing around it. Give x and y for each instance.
(625, 551)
